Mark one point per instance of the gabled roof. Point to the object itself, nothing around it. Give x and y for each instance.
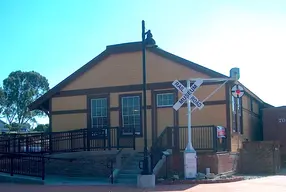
(43, 101)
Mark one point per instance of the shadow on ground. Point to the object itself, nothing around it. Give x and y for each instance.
(45, 188)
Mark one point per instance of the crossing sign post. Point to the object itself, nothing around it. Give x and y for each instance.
(187, 94)
(190, 157)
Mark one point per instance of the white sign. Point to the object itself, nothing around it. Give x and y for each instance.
(220, 130)
(187, 94)
(190, 162)
(237, 91)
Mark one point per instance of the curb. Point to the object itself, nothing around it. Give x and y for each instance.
(196, 182)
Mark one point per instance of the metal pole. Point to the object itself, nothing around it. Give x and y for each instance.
(212, 93)
(145, 162)
(190, 146)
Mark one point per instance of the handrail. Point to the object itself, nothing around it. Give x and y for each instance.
(156, 149)
(160, 136)
(68, 141)
(15, 164)
(110, 165)
(33, 155)
(205, 140)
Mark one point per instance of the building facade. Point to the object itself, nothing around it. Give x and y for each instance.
(107, 92)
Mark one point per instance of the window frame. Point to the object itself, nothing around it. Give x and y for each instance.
(234, 113)
(121, 114)
(158, 105)
(92, 115)
(237, 123)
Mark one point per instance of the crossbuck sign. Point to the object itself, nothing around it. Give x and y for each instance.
(188, 94)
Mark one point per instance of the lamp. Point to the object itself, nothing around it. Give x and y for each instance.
(149, 41)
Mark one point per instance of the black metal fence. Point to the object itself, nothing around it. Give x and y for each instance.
(35, 165)
(68, 141)
(22, 164)
(204, 139)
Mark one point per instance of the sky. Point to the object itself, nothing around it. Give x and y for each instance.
(55, 38)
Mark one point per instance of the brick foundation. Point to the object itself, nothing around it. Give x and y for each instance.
(87, 164)
(217, 162)
(259, 157)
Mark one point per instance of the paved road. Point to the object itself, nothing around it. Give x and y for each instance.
(267, 184)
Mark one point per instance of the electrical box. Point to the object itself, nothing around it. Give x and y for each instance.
(234, 73)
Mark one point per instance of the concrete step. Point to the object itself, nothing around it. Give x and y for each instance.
(126, 176)
(133, 167)
(126, 180)
(130, 171)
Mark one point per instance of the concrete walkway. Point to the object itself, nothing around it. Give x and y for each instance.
(266, 184)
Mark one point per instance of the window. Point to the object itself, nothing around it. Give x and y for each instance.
(236, 114)
(251, 104)
(165, 99)
(233, 102)
(131, 114)
(99, 118)
(239, 113)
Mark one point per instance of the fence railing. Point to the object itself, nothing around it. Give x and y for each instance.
(35, 165)
(204, 138)
(68, 141)
(163, 142)
(22, 164)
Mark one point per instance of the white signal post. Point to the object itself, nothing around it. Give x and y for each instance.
(190, 158)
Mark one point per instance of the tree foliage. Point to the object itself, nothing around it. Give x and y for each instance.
(42, 128)
(19, 90)
(2, 100)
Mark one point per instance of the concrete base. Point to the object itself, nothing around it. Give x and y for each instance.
(146, 181)
(190, 164)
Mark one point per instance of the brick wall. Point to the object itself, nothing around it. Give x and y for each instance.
(85, 164)
(259, 157)
(226, 162)
(217, 162)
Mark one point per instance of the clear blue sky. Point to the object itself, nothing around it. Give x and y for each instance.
(56, 37)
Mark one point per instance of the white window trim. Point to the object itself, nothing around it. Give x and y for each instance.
(162, 94)
(122, 119)
(92, 116)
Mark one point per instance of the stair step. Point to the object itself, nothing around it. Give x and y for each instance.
(127, 180)
(128, 175)
(130, 171)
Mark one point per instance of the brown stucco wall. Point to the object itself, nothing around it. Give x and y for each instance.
(126, 69)
(69, 103)
(209, 115)
(66, 122)
(205, 90)
(165, 118)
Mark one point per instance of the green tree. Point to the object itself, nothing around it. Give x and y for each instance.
(13, 126)
(42, 127)
(2, 99)
(19, 90)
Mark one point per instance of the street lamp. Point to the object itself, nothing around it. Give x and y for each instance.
(146, 42)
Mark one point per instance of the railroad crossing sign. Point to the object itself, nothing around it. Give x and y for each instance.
(188, 94)
(237, 91)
